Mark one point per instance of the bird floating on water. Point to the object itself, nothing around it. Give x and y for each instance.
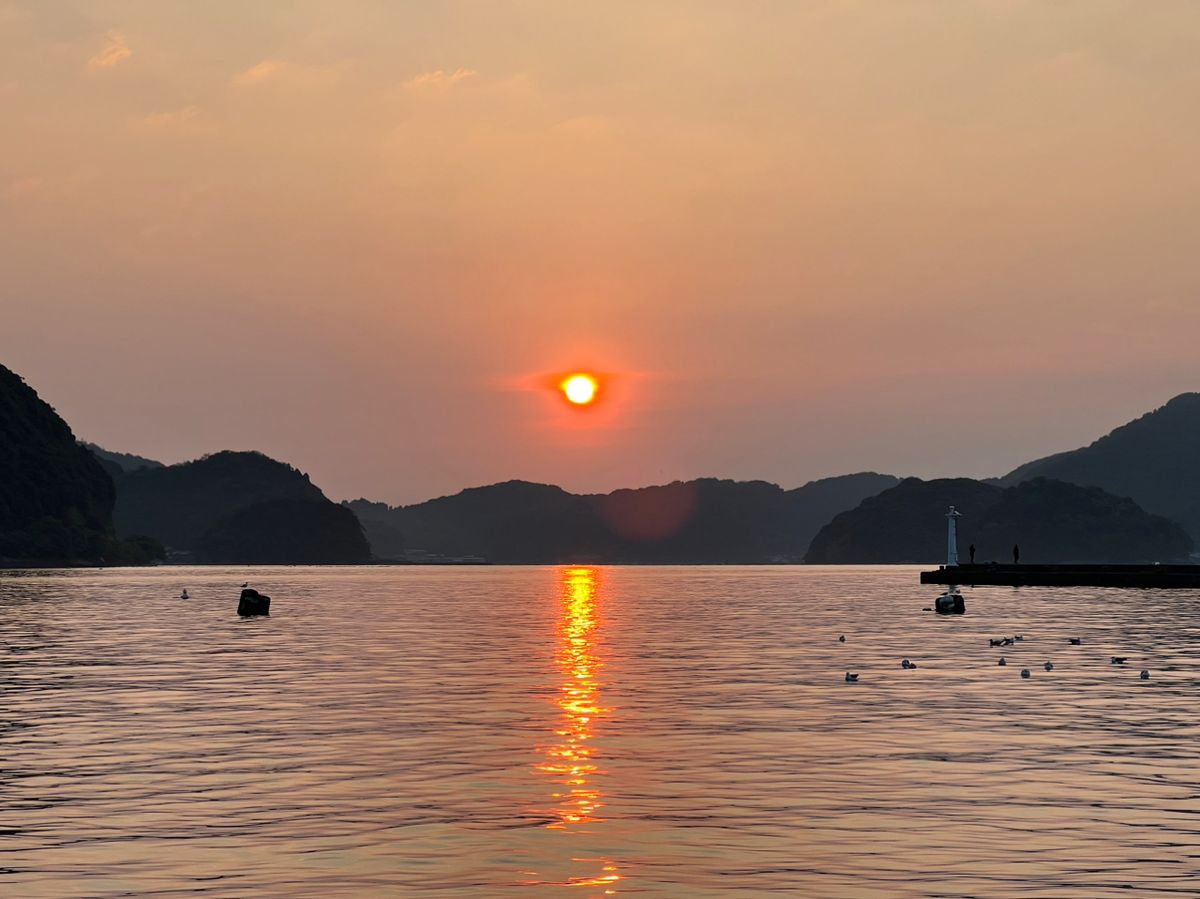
(184, 594)
(1145, 675)
(1119, 660)
(996, 642)
(245, 585)
(907, 664)
(842, 638)
(1019, 637)
(851, 678)
(1049, 666)
(1074, 641)
(1002, 661)
(1024, 672)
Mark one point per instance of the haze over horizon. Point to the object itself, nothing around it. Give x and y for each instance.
(934, 239)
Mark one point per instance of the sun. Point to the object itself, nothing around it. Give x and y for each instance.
(580, 389)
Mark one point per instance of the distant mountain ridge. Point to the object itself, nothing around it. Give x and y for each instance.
(1052, 521)
(1154, 459)
(123, 461)
(702, 521)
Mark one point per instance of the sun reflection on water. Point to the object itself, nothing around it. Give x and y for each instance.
(571, 761)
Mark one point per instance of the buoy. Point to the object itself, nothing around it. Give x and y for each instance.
(950, 603)
(1024, 672)
(1002, 661)
(1049, 666)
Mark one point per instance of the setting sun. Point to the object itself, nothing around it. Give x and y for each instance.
(580, 389)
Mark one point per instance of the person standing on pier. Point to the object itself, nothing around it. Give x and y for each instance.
(971, 550)
(1016, 554)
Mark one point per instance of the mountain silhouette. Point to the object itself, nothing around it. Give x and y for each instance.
(1053, 521)
(56, 499)
(1154, 459)
(701, 521)
(238, 507)
(119, 463)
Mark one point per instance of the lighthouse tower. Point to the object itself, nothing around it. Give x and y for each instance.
(952, 536)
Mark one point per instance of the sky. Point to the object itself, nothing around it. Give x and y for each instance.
(796, 239)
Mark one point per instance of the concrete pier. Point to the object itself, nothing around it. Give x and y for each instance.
(1081, 575)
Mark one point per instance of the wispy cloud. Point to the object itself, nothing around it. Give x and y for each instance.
(115, 52)
(439, 78)
(263, 71)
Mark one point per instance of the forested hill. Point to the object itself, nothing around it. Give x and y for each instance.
(701, 521)
(241, 507)
(1052, 521)
(56, 499)
(1154, 459)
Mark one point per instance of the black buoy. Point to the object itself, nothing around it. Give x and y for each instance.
(950, 602)
(253, 603)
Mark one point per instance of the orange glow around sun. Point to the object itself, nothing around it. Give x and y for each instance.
(580, 389)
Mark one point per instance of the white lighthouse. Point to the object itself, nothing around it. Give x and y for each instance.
(952, 536)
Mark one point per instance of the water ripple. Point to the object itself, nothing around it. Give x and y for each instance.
(587, 732)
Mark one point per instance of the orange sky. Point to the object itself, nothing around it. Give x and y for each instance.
(932, 238)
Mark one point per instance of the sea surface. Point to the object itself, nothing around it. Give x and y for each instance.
(592, 731)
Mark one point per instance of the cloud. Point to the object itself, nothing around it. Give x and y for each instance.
(263, 71)
(292, 74)
(115, 52)
(439, 78)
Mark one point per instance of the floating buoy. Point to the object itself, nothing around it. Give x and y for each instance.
(1024, 672)
(1002, 661)
(950, 603)
(1049, 666)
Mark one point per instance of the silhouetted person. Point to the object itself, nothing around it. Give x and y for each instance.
(1016, 554)
(971, 550)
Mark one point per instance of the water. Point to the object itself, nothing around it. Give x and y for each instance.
(589, 732)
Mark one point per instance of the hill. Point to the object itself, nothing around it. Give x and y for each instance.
(56, 500)
(1051, 520)
(238, 507)
(122, 461)
(1155, 460)
(701, 521)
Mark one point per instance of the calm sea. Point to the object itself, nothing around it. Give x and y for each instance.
(587, 732)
